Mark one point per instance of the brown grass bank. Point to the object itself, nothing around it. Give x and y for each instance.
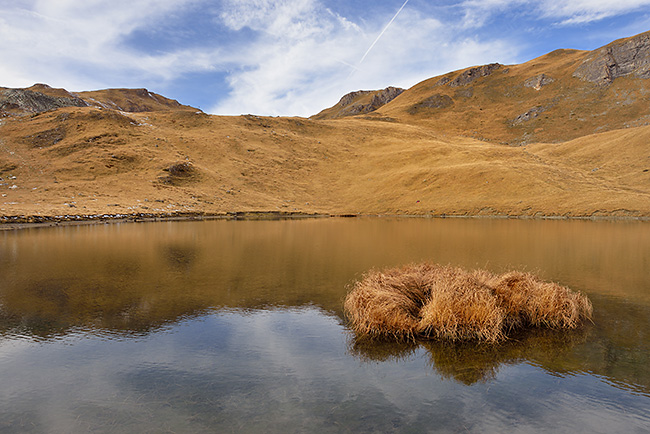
(431, 301)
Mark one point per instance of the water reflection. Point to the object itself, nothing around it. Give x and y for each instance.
(282, 370)
(180, 257)
(469, 363)
(122, 282)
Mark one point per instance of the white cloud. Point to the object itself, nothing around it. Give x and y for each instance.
(79, 44)
(478, 12)
(289, 19)
(307, 57)
(584, 11)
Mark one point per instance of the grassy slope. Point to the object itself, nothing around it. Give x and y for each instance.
(487, 108)
(102, 161)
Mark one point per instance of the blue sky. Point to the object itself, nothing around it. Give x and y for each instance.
(287, 57)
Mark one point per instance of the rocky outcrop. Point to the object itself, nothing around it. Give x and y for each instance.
(385, 96)
(528, 115)
(621, 58)
(538, 81)
(360, 102)
(21, 101)
(442, 81)
(349, 98)
(468, 76)
(378, 99)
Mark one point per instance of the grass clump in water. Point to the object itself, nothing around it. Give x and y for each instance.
(430, 301)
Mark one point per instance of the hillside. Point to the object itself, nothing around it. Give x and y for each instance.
(557, 97)
(443, 147)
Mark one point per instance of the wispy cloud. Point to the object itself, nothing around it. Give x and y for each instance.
(478, 12)
(585, 11)
(302, 58)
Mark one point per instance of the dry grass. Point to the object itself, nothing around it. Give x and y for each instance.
(443, 302)
(113, 163)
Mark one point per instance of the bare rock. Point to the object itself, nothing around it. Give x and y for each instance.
(379, 99)
(442, 81)
(528, 115)
(349, 98)
(618, 59)
(383, 97)
(472, 74)
(538, 81)
(21, 101)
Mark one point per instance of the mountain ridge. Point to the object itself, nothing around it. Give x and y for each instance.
(41, 97)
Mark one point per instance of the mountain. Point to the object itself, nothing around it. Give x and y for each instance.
(565, 134)
(560, 96)
(41, 97)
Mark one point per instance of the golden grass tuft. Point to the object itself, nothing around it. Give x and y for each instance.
(431, 301)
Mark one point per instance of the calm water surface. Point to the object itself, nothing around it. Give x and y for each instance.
(237, 326)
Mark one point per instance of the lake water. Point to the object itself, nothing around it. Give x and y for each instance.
(237, 326)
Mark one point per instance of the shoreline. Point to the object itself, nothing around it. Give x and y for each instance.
(8, 223)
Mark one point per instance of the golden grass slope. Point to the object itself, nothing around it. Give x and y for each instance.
(89, 161)
(442, 302)
(542, 100)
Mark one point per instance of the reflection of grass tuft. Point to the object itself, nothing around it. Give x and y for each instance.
(443, 302)
(471, 362)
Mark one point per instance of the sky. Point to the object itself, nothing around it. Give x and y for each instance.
(287, 57)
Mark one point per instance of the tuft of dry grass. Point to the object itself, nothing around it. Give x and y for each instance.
(529, 301)
(431, 301)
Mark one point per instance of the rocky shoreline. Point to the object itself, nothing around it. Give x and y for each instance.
(24, 222)
(21, 222)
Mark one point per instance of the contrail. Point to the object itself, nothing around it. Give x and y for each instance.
(382, 33)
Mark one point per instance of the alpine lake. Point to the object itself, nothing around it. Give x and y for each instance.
(238, 326)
